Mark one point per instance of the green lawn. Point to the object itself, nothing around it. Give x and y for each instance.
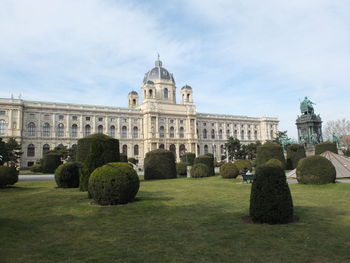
(179, 220)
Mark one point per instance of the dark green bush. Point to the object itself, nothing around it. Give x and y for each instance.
(243, 165)
(159, 164)
(67, 175)
(36, 168)
(295, 152)
(269, 151)
(208, 160)
(326, 146)
(188, 158)
(8, 176)
(270, 199)
(123, 158)
(114, 183)
(50, 162)
(316, 170)
(181, 168)
(132, 160)
(94, 151)
(275, 162)
(200, 170)
(229, 170)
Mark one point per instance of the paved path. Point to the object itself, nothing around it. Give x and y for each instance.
(36, 177)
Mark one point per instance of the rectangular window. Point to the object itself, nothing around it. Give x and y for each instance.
(112, 119)
(2, 112)
(100, 119)
(87, 118)
(181, 121)
(74, 118)
(60, 117)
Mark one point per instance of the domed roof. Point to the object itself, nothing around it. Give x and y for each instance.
(133, 92)
(158, 73)
(186, 87)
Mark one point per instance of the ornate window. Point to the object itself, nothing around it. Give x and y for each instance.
(256, 135)
(198, 150)
(212, 134)
(182, 149)
(87, 130)
(46, 148)
(100, 129)
(136, 150)
(31, 150)
(60, 130)
(181, 132)
(161, 131)
(2, 127)
(46, 129)
(125, 149)
(124, 132)
(205, 149)
(249, 135)
(172, 148)
(31, 129)
(74, 130)
(220, 134)
(166, 93)
(242, 134)
(135, 132)
(172, 132)
(235, 134)
(205, 134)
(112, 131)
(161, 146)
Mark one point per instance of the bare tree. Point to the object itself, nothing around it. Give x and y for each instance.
(339, 128)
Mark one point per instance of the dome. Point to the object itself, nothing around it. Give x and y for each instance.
(158, 73)
(133, 93)
(186, 87)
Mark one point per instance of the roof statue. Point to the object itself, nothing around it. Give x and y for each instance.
(306, 106)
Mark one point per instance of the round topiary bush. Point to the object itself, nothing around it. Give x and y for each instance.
(181, 168)
(8, 176)
(50, 162)
(326, 146)
(208, 160)
(67, 175)
(159, 164)
(316, 170)
(94, 151)
(200, 170)
(269, 151)
(229, 170)
(275, 162)
(270, 198)
(295, 152)
(243, 165)
(36, 168)
(114, 183)
(188, 158)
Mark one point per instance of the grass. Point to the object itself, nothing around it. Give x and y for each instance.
(178, 220)
(27, 171)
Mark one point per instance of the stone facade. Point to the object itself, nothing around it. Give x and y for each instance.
(158, 122)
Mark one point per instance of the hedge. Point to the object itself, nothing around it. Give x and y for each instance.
(316, 170)
(114, 183)
(181, 168)
(295, 152)
(159, 164)
(50, 162)
(326, 146)
(270, 199)
(243, 165)
(208, 160)
(188, 158)
(36, 168)
(269, 151)
(8, 176)
(200, 170)
(94, 151)
(229, 170)
(67, 175)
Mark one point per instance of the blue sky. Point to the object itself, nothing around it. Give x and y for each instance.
(251, 57)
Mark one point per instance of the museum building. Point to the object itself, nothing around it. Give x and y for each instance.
(158, 121)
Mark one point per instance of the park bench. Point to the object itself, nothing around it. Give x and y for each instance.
(248, 178)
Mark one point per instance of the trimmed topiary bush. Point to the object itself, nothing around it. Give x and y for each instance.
(275, 162)
(50, 162)
(36, 168)
(316, 170)
(229, 170)
(295, 152)
(159, 164)
(269, 151)
(200, 170)
(326, 146)
(113, 184)
(123, 158)
(243, 165)
(181, 168)
(67, 175)
(94, 151)
(208, 160)
(8, 176)
(270, 199)
(188, 158)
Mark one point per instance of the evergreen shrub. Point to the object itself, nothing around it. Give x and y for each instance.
(295, 152)
(36, 168)
(326, 146)
(269, 151)
(67, 175)
(208, 160)
(188, 158)
(159, 164)
(113, 183)
(275, 162)
(94, 151)
(50, 162)
(270, 199)
(200, 170)
(229, 170)
(316, 170)
(243, 165)
(8, 176)
(181, 168)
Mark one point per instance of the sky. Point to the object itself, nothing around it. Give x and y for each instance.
(249, 57)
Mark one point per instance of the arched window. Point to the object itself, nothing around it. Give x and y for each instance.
(150, 92)
(125, 149)
(112, 131)
(124, 132)
(135, 132)
(249, 135)
(242, 134)
(212, 134)
(172, 148)
(136, 150)
(256, 135)
(31, 150)
(161, 146)
(87, 130)
(205, 134)
(161, 131)
(60, 130)
(172, 132)
(46, 129)
(74, 130)
(235, 134)
(31, 129)
(134, 102)
(166, 93)
(198, 150)
(205, 149)
(100, 129)
(182, 149)
(181, 132)
(46, 148)
(2, 127)
(220, 134)
(228, 133)
(188, 97)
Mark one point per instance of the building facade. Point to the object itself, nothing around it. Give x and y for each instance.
(157, 122)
